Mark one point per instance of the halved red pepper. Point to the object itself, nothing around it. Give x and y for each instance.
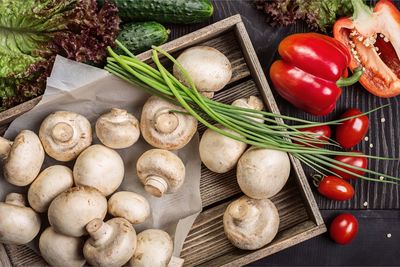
(310, 73)
(373, 39)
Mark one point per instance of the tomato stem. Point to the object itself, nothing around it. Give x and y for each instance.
(350, 80)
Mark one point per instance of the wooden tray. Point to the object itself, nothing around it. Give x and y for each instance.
(206, 243)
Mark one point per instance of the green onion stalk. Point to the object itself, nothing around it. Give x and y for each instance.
(271, 133)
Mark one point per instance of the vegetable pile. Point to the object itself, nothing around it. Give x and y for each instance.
(33, 32)
(75, 201)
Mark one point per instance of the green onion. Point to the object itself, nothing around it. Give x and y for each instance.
(270, 134)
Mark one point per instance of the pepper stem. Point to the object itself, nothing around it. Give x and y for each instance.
(350, 80)
(360, 9)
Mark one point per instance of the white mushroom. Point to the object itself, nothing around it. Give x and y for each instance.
(50, 183)
(160, 171)
(23, 158)
(251, 102)
(209, 69)
(131, 206)
(163, 128)
(219, 153)
(65, 134)
(18, 224)
(154, 248)
(251, 223)
(111, 243)
(117, 129)
(99, 167)
(262, 173)
(70, 211)
(60, 250)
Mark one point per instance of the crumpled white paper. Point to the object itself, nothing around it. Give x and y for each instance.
(91, 92)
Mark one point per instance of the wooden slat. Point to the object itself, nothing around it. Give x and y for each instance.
(261, 82)
(4, 260)
(207, 240)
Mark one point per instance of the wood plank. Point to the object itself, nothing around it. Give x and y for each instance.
(4, 260)
(207, 240)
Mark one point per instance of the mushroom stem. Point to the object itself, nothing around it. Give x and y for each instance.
(15, 199)
(155, 185)
(166, 121)
(243, 213)
(62, 132)
(100, 231)
(5, 147)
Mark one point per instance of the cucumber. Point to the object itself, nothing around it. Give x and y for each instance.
(164, 11)
(140, 36)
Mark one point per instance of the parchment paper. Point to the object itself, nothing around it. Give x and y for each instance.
(91, 92)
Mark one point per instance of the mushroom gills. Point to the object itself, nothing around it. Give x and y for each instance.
(164, 128)
(65, 135)
(117, 129)
(160, 171)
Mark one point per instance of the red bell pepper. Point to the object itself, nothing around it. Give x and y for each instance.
(310, 73)
(373, 39)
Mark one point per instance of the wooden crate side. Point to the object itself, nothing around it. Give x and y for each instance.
(262, 83)
(283, 240)
(196, 36)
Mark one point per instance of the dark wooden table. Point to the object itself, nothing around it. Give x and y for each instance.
(377, 206)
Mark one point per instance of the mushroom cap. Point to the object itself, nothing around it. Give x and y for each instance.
(262, 173)
(51, 182)
(160, 171)
(164, 129)
(70, 211)
(60, 250)
(209, 69)
(99, 167)
(220, 153)
(154, 248)
(24, 160)
(131, 206)
(251, 102)
(251, 223)
(65, 135)
(111, 244)
(18, 224)
(117, 129)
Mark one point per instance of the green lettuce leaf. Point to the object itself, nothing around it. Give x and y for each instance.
(33, 32)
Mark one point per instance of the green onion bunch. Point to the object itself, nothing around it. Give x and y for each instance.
(273, 133)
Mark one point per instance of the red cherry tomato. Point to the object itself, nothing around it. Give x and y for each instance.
(335, 188)
(352, 131)
(323, 133)
(344, 228)
(356, 161)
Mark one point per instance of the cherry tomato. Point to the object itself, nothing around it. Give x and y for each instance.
(344, 228)
(335, 188)
(356, 161)
(352, 131)
(323, 134)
